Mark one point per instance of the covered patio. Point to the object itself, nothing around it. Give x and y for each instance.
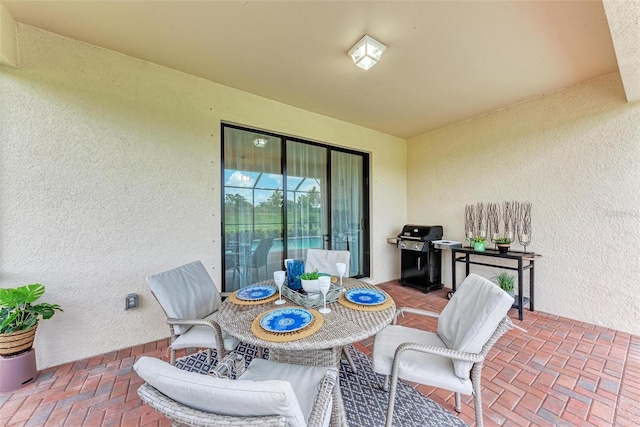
(111, 170)
(561, 372)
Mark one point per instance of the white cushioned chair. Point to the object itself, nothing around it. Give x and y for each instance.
(451, 358)
(190, 300)
(267, 393)
(325, 261)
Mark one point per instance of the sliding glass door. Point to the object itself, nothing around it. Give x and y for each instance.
(283, 196)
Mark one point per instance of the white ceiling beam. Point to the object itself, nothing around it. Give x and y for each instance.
(8, 44)
(624, 23)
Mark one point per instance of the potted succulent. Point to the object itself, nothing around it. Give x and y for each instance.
(19, 318)
(478, 243)
(506, 282)
(503, 244)
(310, 281)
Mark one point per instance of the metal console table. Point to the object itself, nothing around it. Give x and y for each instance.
(525, 260)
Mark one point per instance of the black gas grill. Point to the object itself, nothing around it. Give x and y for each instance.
(420, 263)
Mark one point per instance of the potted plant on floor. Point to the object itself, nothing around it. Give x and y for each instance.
(506, 282)
(19, 318)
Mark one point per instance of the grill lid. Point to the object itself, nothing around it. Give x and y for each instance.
(421, 233)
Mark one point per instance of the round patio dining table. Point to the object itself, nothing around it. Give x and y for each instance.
(341, 327)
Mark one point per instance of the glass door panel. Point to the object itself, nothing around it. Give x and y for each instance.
(307, 219)
(253, 201)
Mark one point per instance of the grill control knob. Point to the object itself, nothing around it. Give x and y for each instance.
(403, 245)
(416, 246)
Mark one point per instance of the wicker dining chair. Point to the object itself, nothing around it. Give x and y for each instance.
(266, 394)
(325, 262)
(259, 258)
(190, 300)
(469, 325)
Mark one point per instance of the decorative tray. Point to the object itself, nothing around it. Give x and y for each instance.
(313, 300)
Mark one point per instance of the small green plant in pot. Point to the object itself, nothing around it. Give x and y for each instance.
(503, 244)
(478, 243)
(19, 317)
(309, 281)
(506, 282)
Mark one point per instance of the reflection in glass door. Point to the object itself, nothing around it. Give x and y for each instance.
(283, 196)
(253, 202)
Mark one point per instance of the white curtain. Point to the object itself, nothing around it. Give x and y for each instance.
(347, 206)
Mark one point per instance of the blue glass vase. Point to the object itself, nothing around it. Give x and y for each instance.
(295, 268)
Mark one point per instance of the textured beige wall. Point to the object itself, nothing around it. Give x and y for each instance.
(575, 155)
(109, 172)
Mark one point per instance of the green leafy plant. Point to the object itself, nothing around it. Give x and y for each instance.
(503, 241)
(312, 275)
(478, 239)
(16, 311)
(506, 281)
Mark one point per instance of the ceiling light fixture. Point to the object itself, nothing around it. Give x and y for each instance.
(260, 142)
(367, 52)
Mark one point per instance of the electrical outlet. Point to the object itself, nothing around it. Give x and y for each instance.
(131, 301)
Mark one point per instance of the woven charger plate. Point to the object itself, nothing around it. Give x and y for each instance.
(378, 307)
(263, 334)
(234, 299)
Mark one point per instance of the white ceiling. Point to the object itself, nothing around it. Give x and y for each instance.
(446, 61)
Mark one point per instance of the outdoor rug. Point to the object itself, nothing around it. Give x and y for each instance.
(365, 402)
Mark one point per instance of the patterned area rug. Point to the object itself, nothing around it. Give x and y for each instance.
(364, 400)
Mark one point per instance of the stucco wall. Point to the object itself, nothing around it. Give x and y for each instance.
(109, 172)
(575, 155)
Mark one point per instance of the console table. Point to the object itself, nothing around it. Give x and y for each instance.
(525, 261)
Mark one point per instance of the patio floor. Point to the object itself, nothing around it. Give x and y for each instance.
(560, 372)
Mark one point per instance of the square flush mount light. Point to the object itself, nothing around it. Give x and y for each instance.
(367, 52)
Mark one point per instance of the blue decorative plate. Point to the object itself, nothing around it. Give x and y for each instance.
(286, 320)
(255, 292)
(364, 296)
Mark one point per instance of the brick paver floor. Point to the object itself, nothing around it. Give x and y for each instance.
(561, 372)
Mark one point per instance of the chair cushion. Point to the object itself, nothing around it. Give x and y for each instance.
(185, 292)
(423, 368)
(204, 337)
(325, 261)
(471, 317)
(222, 396)
(303, 379)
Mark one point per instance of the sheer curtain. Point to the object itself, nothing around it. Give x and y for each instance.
(347, 207)
(306, 198)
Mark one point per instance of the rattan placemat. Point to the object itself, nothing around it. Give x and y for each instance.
(263, 334)
(234, 299)
(379, 307)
